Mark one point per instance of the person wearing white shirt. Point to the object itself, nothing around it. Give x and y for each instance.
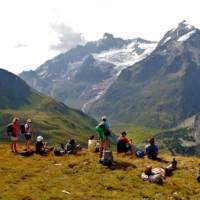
(93, 145)
(28, 133)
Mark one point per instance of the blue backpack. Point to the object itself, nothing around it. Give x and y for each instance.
(140, 153)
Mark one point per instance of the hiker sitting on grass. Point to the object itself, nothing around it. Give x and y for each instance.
(41, 147)
(152, 150)
(124, 145)
(71, 147)
(93, 145)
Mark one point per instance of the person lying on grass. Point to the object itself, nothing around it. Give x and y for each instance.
(159, 172)
(124, 145)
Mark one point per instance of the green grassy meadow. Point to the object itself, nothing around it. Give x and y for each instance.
(56, 122)
(81, 177)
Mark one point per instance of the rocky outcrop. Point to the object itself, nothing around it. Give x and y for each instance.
(196, 132)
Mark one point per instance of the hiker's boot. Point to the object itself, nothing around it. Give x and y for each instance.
(198, 175)
(174, 163)
(101, 154)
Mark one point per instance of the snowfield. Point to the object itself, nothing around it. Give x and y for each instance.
(186, 36)
(127, 56)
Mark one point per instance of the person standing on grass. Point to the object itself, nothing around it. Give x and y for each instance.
(28, 134)
(14, 133)
(103, 130)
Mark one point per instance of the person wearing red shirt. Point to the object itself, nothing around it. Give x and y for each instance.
(124, 144)
(14, 134)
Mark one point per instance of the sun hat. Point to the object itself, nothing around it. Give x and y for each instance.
(39, 138)
(15, 119)
(29, 120)
(104, 117)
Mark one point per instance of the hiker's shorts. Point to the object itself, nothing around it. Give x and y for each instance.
(13, 138)
(27, 136)
(103, 137)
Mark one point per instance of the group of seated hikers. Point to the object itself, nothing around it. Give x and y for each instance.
(124, 144)
(100, 145)
(69, 148)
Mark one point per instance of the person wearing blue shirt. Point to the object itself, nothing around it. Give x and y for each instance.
(152, 149)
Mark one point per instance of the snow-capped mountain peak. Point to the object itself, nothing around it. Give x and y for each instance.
(185, 25)
(181, 33)
(186, 36)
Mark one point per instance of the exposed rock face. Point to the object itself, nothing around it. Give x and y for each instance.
(160, 90)
(196, 132)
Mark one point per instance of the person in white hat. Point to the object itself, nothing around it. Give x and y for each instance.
(39, 139)
(40, 147)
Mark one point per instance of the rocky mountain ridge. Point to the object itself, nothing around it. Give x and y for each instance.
(162, 89)
(82, 75)
(133, 81)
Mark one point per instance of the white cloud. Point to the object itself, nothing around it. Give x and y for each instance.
(67, 37)
(20, 45)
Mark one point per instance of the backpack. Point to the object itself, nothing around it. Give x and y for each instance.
(101, 128)
(9, 129)
(198, 176)
(58, 151)
(140, 153)
(22, 129)
(27, 153)
(107, 132)
(107, 158)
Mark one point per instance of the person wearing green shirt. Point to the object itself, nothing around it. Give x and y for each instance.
(103, 130)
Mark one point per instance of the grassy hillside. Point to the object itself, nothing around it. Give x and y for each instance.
(52, 119)
(82, 177)
(178, 141)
